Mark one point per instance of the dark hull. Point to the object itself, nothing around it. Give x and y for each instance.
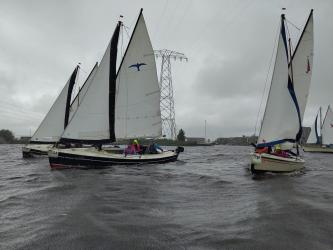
(64, 160)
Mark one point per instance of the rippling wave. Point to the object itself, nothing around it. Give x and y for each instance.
(206, 200)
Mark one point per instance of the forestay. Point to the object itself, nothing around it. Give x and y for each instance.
(137, 112)
(54, 123)
(281, 119)
(82, 92)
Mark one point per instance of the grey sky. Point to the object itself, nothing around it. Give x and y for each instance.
(229, 44)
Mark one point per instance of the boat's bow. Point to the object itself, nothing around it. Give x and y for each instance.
(31, 150)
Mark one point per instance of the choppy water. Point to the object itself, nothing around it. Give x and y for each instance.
(207, 200)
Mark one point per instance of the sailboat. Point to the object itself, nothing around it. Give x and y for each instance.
(281, 127)
(323, 143)
(123, 105)
(56, 120)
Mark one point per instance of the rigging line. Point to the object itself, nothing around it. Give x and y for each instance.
(19, 109)
(127, 32)
(185, 13)
(126, 29)
(290, 43)
(176, 26)
(294, 25)
(205, 29)
(122, 41)
(18, 115)
(229, 19)
(266, 80)
(18, 118)
(170, 20)
(161, 17)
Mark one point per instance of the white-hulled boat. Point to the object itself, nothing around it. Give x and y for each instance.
(123, 104)
(51, 128)
(323, 144)
(273, 163)
(281, 127)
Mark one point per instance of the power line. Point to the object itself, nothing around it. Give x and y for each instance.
(161, 17)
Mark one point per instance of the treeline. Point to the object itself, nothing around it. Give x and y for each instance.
(7, 137)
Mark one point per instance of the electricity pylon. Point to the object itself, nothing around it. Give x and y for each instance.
(167, 104)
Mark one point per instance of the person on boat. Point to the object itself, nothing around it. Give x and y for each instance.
(154, 148)
(278, 151)
(134, 148)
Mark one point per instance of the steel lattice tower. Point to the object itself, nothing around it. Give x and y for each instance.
(167, 104)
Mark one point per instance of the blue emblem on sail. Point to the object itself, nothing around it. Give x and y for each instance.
(138, 65)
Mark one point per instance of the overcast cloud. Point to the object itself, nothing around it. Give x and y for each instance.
(229, 44)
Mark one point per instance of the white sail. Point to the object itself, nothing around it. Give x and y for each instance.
(91, 119)
(83, 90)
(280, 120)
(313, 134)
(302, 65)
(52, 127)
(327, 129)
(138, 93)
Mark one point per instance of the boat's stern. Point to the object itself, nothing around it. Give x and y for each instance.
(26, 152)
(273, 163)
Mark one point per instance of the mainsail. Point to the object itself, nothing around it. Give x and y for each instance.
(138, 94)
(281, 120)
(122, 105)
(302, 64)
(327, 128)
(54, 123)
(91, 123)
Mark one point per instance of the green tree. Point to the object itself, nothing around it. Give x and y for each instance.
(181, 135)
(6, 136)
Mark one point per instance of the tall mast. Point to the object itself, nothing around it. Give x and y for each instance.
(292, 81)
(69, 94)
(205, 129)
(290, 58)
(320, 125)
(112, 80)
(321, 119)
